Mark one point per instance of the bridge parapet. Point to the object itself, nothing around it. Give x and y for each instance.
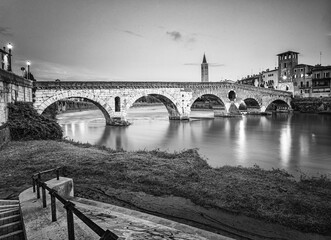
(135, 85)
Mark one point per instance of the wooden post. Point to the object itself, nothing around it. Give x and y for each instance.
(57, 174)
(43, 191)
(38, 185)
(33, 184)
(70, 220)
(53, 205)
(38, 189)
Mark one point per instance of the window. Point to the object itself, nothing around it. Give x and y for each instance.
(327, 74)
(295, 70)
(285, 65)
(307, 84)
(317, 75)
(301, 69)
(301, 84)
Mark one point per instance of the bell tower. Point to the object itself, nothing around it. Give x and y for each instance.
(204, 70)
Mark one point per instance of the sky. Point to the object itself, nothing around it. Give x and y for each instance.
(162, 40)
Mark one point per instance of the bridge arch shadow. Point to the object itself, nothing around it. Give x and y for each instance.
(100, 104)
(278, 105)
(209, 102)
(250, 105)
(163, 98)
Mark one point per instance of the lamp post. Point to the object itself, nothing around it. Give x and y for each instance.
(28, 63)
(9, 46)
(3, 58)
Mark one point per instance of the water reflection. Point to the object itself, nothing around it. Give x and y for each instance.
(241, 142)
(294, 142)
(285, 145)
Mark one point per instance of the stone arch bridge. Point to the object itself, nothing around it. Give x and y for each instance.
(115, 98)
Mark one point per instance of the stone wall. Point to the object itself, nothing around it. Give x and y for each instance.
(12, 88)
(4, 135)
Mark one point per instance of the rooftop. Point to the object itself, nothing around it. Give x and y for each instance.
(302, 65)
(288, 52)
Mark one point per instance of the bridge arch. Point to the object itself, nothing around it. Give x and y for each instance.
(250, 104)
(279, 103)
(171, 104)
(209, 101)
(199, 94)
(101, 104)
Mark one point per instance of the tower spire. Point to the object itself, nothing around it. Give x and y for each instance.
(204, 59)
(204, 70)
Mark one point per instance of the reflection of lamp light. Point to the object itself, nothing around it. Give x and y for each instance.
(9, 46)
(28, 63)
(284, 77)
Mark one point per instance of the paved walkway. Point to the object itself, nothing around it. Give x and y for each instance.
(127, 224)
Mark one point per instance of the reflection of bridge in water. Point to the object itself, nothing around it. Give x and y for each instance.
(115, 98)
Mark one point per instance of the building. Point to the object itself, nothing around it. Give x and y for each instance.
(321, 81)
(270, 78)
(302, 80)
(254, 80)
(204, 70)
(286, 63)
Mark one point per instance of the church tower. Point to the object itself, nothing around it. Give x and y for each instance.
(204, 70)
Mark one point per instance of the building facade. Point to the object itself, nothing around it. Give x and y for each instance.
(270, 78)
(254, 80)
(286, 63)
(321, 81)
(204, 70)
(302, 80)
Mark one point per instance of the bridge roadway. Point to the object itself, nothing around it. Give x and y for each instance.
(116, 97)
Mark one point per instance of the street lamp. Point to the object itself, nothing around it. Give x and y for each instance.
(9, 46)
(28, 63)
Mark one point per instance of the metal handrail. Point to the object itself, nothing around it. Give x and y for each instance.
(69, 206)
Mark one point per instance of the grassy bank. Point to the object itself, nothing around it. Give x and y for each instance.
(273, 196)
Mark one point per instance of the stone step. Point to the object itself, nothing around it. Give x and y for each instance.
(10, 227)
(8, 209)
(8, 202)
(10, 212)
(10, 219)
(17, 235)
(9, 206)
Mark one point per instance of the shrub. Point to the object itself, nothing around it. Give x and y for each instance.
(26, 124)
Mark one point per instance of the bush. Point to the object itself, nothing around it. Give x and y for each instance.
(26, 124)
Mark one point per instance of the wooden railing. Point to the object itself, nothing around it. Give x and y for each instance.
(68, 205)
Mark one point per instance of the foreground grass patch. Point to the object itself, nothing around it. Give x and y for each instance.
(270, 195)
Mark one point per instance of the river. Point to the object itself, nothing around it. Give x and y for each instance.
(294, 142)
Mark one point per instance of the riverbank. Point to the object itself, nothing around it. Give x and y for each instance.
(312, 105)
(160, 183)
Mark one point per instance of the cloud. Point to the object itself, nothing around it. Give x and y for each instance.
(175, 35)
(48, 71)
(209, 64)
(5, 31)
(216, 65)
(186, 38)
(132, 33)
